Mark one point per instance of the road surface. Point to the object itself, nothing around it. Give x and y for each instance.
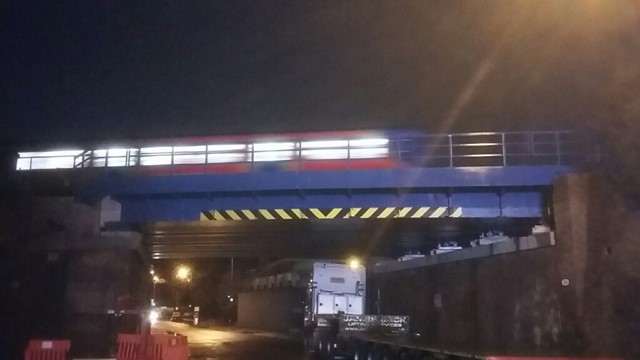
(233, 344)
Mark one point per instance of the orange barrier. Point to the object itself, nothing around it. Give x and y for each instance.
(47, 350)
(152, 347)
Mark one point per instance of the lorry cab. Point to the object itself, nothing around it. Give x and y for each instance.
(333, 289)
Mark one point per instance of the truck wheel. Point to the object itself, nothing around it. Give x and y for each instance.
(309, 343)
(318, 352)
(406, 355)
(386, 354)
(325, 349)
(372, 352)
(328, 350)
(320, 348)
(378, 353)
(359, 354)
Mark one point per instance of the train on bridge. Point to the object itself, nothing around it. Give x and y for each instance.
(346, 150)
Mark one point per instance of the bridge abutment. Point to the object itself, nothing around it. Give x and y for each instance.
(597, 236)
(71, 280)
(577, 295)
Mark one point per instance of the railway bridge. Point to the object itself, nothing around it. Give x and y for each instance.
(265, 194)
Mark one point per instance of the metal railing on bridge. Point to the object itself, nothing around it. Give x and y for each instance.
(446, 150)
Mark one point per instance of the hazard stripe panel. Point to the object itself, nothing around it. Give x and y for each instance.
(418, 212)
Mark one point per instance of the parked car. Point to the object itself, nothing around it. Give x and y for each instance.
(188, 314)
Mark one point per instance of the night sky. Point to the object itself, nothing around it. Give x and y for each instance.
(99, 69)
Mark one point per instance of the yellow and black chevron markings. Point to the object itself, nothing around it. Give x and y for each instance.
(333, 213)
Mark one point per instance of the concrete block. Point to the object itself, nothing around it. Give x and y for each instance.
(480, 251)
(504, 247)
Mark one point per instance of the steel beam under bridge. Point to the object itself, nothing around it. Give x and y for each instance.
(316, 238)
(479, 192)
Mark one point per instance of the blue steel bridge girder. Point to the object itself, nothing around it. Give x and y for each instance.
(480, 192)
(407, 178)
(513, 203)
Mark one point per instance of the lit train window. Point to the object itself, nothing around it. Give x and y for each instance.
(155, 160)
(190, 154)
(115, 157)
(273, 151)
(118, 152)
(226, 147)
(324, 149)
(52, 162)
(322, 154)
(227, 153)
(100, 153)
(50, 154)
(369, 153)
(274, 155)
(23, 164)
(60, 159)
(274, 146)
(226, 158)
(98, 162)
(368, 142)
(156, 150)
(117, 161)
(190, 159)
(322, 144)
(189, 149)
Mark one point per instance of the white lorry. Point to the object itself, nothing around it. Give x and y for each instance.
(335, 309)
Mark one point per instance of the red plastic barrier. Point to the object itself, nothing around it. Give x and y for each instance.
(130, 347)
(182, 351)
(548, 358)
(158, 347)
(47, 350)
(169, 347)
(152, 347)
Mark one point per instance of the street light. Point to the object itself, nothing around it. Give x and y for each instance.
(183, 273)
(354, 263)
